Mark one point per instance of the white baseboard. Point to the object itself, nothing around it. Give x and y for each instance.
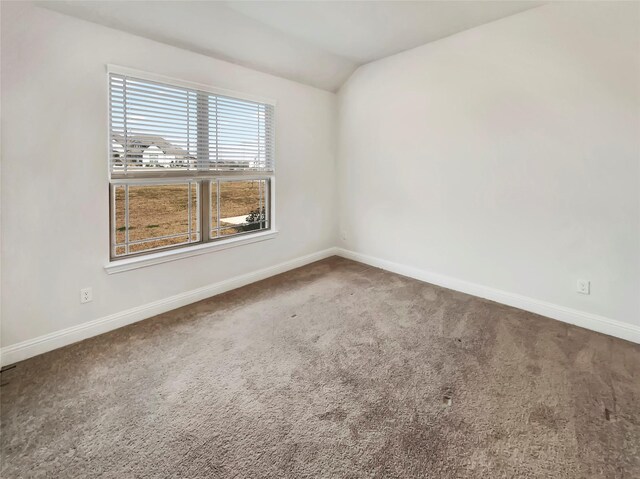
(585, 320)
(48, 342)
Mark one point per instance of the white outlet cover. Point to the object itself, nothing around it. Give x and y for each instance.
(86, 295)
(583, 286)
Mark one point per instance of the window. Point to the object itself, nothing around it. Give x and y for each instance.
(187, 165)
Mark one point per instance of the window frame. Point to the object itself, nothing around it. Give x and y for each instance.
(204, 213)
(202, 179)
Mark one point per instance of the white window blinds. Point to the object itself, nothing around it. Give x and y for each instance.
(162, 128)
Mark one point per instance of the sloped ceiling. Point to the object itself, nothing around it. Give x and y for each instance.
(317, 43)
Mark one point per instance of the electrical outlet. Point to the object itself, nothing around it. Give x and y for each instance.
(583, 286)
(86, 295)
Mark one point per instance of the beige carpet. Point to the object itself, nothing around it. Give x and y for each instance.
(332, 370)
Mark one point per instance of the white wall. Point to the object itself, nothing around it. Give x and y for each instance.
(507, 156)
(55, 227)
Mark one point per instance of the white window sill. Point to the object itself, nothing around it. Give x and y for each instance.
(128, 264)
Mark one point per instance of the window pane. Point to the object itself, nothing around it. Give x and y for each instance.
(120, 227)
(160, 243)
(148, 217)
(214, 209)
(195, 212)
(243, 206)
(158, 210)
(155, 216)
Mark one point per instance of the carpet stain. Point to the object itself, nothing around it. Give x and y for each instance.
(545, 416)
(337, 414)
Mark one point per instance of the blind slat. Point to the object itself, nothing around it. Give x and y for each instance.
(156, 127)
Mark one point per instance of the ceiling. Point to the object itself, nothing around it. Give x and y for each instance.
(320, 43)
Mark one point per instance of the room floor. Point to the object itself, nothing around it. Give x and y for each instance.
(335, 369)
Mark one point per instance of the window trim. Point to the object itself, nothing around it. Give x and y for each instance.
(135, 261)
(142, 75)
(129, 263)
